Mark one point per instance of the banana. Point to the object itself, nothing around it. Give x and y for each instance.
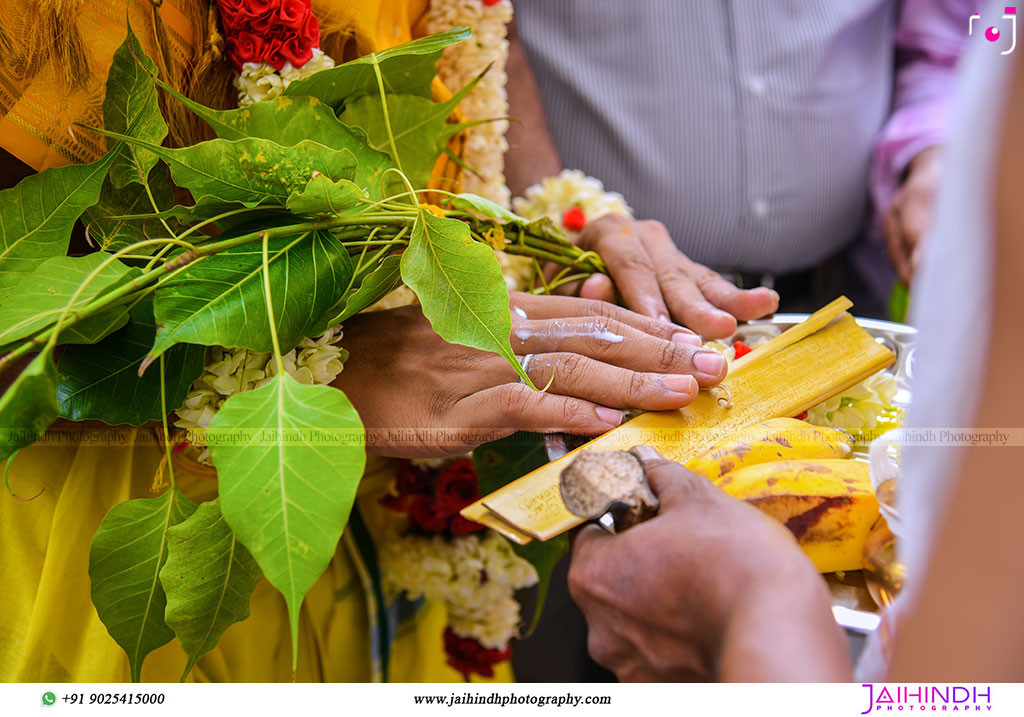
(774, 440)
(828, 505)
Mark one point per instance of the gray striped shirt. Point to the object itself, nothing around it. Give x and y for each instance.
(746, 126)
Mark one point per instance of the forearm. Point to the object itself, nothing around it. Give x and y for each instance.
(782, 630)
(532, 154)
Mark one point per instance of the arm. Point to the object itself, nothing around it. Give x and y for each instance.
(977, 575)
(649, 272)
(710, 588)
(907, 164)
(532, 154)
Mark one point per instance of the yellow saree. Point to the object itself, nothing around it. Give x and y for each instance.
(49, 629)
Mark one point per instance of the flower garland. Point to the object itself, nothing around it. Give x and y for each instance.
(570, 199)
(473, 571)
(271, 44)
(460, 64)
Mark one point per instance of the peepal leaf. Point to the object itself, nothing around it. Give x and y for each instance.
(291, 120)
(251, 171)
(323, 196)
(37, 215)
(39, 299)
(130, 107)
(377, 284)
(419, 126)
(209, 578)
(220, 301)
(102, 382)
(460, 286)
(289, 458)
(405, 69)
(113, 222)
(28, 406)
(125, 559)
(483, 207)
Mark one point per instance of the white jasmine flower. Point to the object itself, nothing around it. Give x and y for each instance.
(476, 578)
(570, 188)
(859, 407)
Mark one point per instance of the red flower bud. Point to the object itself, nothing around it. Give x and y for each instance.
(741, 349)
(573, 219)
(470, 657)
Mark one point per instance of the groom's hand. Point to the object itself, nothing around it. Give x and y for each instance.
(657, 280)
(710, 588)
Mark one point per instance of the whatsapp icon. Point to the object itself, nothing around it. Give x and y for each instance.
(49, 698)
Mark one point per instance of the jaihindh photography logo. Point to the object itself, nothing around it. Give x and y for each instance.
(927, 698)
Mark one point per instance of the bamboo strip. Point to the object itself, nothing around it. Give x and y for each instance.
(783, 382)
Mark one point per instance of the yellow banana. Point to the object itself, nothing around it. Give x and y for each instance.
(828, 505)
(773, 440)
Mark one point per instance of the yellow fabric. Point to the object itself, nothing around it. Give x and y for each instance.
(49, 629)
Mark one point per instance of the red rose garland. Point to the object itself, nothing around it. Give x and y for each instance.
(271, 31)
(433, 502)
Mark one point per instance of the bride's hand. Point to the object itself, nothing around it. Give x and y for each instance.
(421, 396)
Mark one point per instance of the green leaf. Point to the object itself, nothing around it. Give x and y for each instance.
(483, 207)
(29, 405)
(420, 128)
(251, 171)
(291, 120)
(38, 300)
(378, 283)
(209, 578)
(220, 300)
(102, 382)
(899, 302)
(289, 458)
(323, 196)
(113, 223)
(406, 69)
(460, 286)
(125, 559)
(499, 463)
(37, 215)
(130, 107)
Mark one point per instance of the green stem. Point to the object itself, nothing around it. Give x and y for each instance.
(387, 117)
(270, 307)
(163, 414)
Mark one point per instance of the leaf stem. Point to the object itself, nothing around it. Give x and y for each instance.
(270, 305)
(163, 415)
(387, 117)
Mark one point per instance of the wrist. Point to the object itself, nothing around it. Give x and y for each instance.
(780, 628)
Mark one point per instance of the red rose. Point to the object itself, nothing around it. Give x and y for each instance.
(574, 219)
(491, 3)
(239, 14)
(296, 50)
(292, 13)
(457, 486)
(470, 657)
(427, 515)
(311, 31)
(272, 55)
(246, 47)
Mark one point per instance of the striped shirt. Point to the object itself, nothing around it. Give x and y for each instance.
(746, 126)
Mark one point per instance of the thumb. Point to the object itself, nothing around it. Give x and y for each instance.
(598, 287)
(670, 481)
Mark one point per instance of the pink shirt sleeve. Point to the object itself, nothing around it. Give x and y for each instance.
(930, 36)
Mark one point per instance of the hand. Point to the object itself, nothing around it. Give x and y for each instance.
(420, 396)
(710, 588)
(657, 280)
(909, 216)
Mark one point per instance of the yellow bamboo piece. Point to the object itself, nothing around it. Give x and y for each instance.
(783, 382)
